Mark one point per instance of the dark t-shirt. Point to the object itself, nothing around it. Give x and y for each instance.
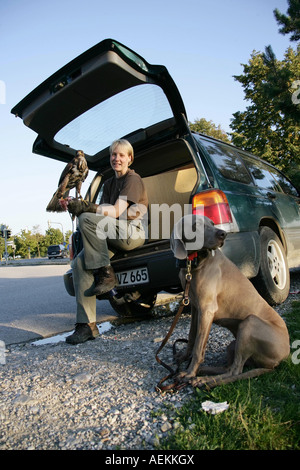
(130, 187)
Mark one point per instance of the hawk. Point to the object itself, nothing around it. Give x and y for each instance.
(72, 176)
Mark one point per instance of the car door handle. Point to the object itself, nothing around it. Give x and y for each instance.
(271, 195)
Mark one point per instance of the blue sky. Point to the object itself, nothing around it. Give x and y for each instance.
(203, 44)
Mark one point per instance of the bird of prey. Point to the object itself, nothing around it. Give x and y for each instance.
(72, 176)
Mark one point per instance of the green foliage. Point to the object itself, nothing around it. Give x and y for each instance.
(291, 23)
(269, 127)
(31, 243)
(53, 236)
(209, 128)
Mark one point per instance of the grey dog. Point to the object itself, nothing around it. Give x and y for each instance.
(221, 294)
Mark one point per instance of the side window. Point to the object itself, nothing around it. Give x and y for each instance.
(227, 161)
(261, 175)
(284, 183)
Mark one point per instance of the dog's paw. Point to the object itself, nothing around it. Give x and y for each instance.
(180, 377)
(208, 382)
(184, 376)
(197, 382)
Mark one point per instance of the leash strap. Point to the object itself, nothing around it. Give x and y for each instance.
(185, 301)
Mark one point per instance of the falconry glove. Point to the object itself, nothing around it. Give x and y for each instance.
(78, 206)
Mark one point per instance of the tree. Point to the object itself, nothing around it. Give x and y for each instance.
(291, 23)
(280, 83)
(34, 244)
(53, 236)
(26, 244)
(269, 127)
(31, 243)
(209, 128)
(67, 236)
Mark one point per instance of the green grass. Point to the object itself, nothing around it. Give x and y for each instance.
(263, 413)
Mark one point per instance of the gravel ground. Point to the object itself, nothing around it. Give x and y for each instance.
(100, 394)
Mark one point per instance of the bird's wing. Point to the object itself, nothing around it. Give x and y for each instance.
(67, 170)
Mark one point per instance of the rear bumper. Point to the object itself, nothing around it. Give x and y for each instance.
(162, 270)
(242, 248)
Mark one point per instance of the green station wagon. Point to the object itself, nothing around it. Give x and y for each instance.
(110, 92)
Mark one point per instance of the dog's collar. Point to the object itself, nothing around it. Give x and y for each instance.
(192, 256)
(196, 258)
(200, 255)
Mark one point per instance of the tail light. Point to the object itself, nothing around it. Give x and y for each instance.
(214, 205)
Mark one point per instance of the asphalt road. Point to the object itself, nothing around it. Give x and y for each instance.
(34, 303)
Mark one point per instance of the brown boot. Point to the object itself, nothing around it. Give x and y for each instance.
(105, 280)
(83, 332)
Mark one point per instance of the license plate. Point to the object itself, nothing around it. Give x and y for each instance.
(133, 276)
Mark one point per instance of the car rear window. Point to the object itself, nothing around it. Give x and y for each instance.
(136, 108)
(228, 162)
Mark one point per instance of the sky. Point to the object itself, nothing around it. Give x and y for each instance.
(202, 43)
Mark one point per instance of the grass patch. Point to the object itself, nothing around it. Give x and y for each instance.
(263, 413)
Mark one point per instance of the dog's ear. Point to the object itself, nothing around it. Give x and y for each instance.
(177, 246)
(176, 242)
(187, 235)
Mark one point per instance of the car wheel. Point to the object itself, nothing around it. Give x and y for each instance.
(134, 304)
(273, 279)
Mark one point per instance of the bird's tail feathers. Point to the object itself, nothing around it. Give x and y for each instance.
(54, 205)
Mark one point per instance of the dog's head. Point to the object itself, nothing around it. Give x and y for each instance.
(193, 233)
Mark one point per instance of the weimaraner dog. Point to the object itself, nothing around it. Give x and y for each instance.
(220, 293)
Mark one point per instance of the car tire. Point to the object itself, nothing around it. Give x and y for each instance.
(134, 304)
(273, 279)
